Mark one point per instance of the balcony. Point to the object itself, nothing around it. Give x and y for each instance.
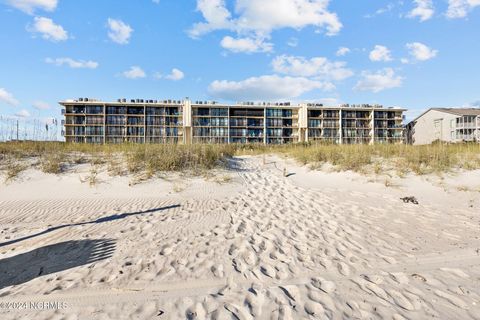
(467, 125)
(467, 137)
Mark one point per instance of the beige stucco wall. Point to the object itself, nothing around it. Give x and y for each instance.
(425, 131)
(187, 113)
(303, 116)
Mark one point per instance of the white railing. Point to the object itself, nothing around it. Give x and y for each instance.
(466, 137)
(467, 125)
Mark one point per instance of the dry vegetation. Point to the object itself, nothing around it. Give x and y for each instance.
(13, 170)
(56, 158)
(146, 161)
(400, 159)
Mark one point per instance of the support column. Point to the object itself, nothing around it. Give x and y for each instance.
(265, 126)
(84, 124)
(144, 124)
(125, 125)
(187, 122)
(340, 123)
(228, 124)
(303, 123)
(104, 123)
(373, 127)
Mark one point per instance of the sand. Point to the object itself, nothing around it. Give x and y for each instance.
(313, 245)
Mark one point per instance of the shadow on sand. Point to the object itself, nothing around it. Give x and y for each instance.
(237, 164)
(100, 220)
(53, 258)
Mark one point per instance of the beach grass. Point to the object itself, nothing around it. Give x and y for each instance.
(54, 157)
(436, 158)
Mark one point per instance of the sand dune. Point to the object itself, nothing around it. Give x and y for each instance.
(262, 247)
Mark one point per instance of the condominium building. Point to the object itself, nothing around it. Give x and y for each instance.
(445, 124)
(175, 121)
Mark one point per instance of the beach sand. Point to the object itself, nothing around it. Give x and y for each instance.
(313, 245)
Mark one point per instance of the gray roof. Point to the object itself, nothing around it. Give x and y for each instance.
(460, 111)
(455, 111)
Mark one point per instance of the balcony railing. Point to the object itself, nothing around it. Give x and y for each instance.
(466, 137)
(468, 125)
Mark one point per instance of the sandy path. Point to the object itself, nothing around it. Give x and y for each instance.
(274, 250)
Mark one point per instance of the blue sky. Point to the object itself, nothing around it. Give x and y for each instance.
(411, 53)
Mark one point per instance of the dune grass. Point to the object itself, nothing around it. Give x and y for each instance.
(13, 170)
(150, 159)
(426, 159)
(54, 157)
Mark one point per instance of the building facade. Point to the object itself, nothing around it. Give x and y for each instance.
(445, 124)
(174, 121)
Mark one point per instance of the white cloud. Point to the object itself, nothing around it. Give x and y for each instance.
(134, 72)
(23, 114)
(381, 11)
(421, 52)
(268, 87)
(119, 32)
(460, 8)
(175, 75)
(380, 53)
(246, 45)
(342, 51)
(378, 81)
(257, 19)
(216, 17)
(29, 6)
(423, 9)
(318, 67)
(48, 29)
(40, 105)
(7, 97)
(267, 15)
(75, 64)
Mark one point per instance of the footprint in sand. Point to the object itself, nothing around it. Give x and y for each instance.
(314, 309)
(255, 299)
(239, 266)
(343, 268)
(268, 270)
(324, 285)
(353, 311)
(250, 258)
(282, 272)
(399, 277)
(400, 300)
(379, 292)
(292, 293)
(237, 311)
(283, 312)
(373, 278)
(196, 312)
(218, 271)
